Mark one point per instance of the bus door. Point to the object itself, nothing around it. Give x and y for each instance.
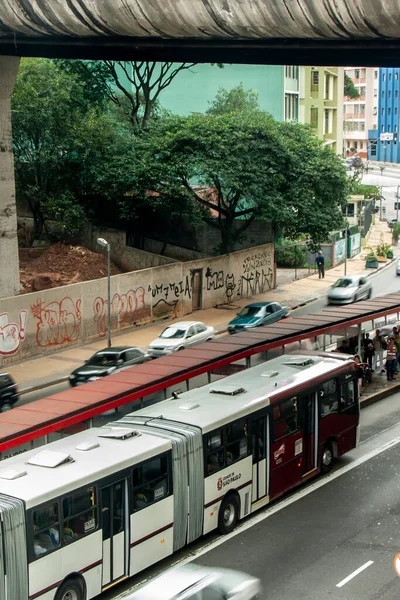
(307, 418)
(115, 523)
(286, 453)
(259, 441)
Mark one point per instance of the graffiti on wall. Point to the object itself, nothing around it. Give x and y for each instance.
(125, 308)
(167, 295)
(257, 275)
(57, 322)
(218, 280)
(12, 334)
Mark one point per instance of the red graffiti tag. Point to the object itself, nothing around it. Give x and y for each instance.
(58, 322)
(12, 334)
(125, 308)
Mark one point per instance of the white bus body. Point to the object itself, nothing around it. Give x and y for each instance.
(104, 504)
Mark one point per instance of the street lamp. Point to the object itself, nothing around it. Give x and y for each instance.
(102, 242)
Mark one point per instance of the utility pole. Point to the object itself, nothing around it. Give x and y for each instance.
(380, 203)
(397, 203)
(345, 242)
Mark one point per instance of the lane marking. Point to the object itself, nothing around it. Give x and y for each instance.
(354, 573)
(266, 513)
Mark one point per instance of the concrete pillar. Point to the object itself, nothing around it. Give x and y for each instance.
(9, 262)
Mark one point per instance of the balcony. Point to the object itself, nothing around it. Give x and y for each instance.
(357, 116)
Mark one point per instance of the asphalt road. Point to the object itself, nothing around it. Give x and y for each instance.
(384, 281)
(309, 542)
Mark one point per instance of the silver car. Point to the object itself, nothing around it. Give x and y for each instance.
(179, 336)
(192, 582)
(398, 266)
(350, 288)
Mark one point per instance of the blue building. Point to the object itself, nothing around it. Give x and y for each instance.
(382, 143)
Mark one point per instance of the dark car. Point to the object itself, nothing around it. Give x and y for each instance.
(8, 392)
(107, 361)
(257, 314)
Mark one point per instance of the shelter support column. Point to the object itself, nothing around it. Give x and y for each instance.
(9, 261)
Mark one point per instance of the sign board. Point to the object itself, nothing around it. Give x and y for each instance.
(386, 137)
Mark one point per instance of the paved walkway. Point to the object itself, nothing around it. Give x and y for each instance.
(40, 372)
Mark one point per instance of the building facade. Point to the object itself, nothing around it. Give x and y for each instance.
(383, 139)
(360, 114)
(194, 89)
(321, 103)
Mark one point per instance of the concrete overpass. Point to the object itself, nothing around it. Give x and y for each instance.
(316, 32)
(337, 32)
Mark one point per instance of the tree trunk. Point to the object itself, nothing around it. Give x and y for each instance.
(9, 262)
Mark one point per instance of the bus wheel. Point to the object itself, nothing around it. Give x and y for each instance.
(70, 590)
(228, 514)
(326, 459)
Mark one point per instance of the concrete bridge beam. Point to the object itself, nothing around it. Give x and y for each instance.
(9, 262)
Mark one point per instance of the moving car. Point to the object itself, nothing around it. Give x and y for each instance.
(398, 266)
(257, 314)
(350, 288)
(179, 336)
(192, 582)
(8, 392)
(107, 361)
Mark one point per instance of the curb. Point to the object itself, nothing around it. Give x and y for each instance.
(42, 386)
(379, 396)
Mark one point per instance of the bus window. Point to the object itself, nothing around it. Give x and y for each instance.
(285, 418)
(150, 482)
(237, 443)
(327, 393)
(347, 395)
(46, 529)
(80, 514)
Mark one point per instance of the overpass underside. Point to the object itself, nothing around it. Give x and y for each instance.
(384, 52)
(337, 32)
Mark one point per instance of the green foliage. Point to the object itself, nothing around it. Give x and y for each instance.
(243, 166)
(65, 210)
(358, 189)
(289, 254)
(382, 249)
(350, 89)
(234, 100)
(396, 231)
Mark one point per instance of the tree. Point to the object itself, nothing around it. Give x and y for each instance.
(65, 148)
(236, 99)
(239, 167)
(350, 90)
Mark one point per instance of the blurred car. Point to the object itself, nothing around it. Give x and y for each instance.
(257, 314)
(391, 223)
(8, 392)
(107, 361)
(398, 266)
(354, 162)
(348, 289)
(179, 336)
(192, 582)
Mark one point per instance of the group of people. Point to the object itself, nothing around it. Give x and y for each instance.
(373, 349)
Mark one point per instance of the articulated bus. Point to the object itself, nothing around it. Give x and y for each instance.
(99, 506)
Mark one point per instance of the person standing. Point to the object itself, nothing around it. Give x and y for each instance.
(390, 358)
(397, 344)
(378, 343)
(369, 350)
(320, 260)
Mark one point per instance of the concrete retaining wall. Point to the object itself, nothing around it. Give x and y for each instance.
(35, 323)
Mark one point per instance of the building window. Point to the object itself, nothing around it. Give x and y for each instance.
(383, 76)
(375, 74)
(373, 149)
(389, 111)
(382, 128)
(314, 117)
(395, 128)
(390, 77)
(396, 93)
(388, 128)
(355, 144)
(357, 73)
(362, 126)
(291, 107)
(375, 111)
(383, 112)
(395, 110)
(383, 94)
(389, 94)
(375, 93)
(396, 76)
(314, 81)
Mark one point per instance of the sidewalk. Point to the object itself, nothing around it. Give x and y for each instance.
(54, 368)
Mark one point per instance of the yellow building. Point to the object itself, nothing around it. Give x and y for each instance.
(321, 103)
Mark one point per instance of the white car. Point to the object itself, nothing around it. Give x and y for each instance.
(179, 336)
(398, 266)
(192, 582)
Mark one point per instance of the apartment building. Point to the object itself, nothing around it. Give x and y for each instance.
(321, 103)
(360, 114)
(383, 138)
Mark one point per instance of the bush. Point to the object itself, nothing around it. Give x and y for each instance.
(291, 255)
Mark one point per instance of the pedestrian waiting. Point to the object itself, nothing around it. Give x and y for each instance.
(320, 260)
(380, 345)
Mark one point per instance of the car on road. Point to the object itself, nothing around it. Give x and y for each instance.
(179, 336)
(398, 266)
(350, 288)
(354, 162)
(192, 582)
(8, 392)
(107, 361)
(257, 314)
